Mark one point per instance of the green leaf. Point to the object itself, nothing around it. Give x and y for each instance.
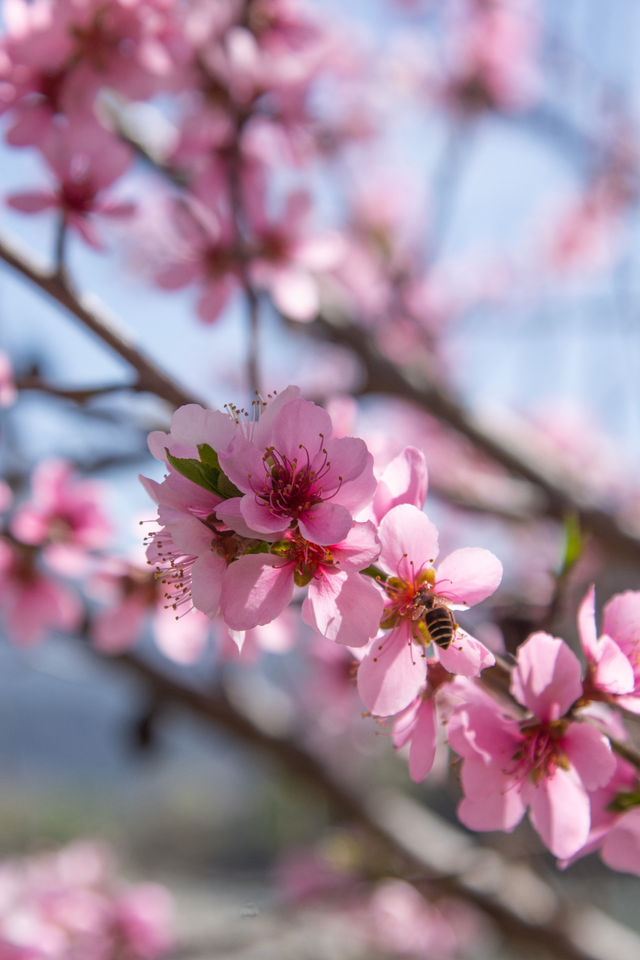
(574, 543)
(226, 488)
(196, 471)
(208, 456)
(625, 801)
(206, 472)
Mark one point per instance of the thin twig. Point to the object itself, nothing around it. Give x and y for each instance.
(60, 244)
(77, 394)
(93, 316)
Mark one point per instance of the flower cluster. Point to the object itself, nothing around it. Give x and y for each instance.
(67, 904)
(256, 511)
(252, 508)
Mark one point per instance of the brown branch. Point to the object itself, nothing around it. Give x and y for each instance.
(79, 395)
(427, 391)
(57, 286)
(424, 388)
(394, 826)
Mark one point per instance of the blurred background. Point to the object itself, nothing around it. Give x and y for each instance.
(465, 184)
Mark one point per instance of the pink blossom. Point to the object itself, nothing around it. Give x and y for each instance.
(417, 724)
(394, 669)
(548, 762)
(404, 480)
(131, 595)
(341, 604)
(283, 256)
(273, 52)
(33, 604)
(84, 167)
(203, 253)
(398, 920)
(141, 921)
(615, 821)
(298, 475)
(194, 546)
(614, 658)
(63, 53)
(64, 508)
(56, 906)
(288, 258)
(495, 66)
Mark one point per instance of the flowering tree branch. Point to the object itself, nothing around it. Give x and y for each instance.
(57, 286)
(408, 853)
(422, 386)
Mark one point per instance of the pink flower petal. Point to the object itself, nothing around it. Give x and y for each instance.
(409, 541)
(612, 672)
(34, 201)
(86, 230)
(302, 428)
(590, 754)
(500, 809)
(621, 847)
(359, 548)
(405, 722)
(326, 523)
(260, 519)
(348, 457)
(479, 731)
(179, 274)
(243, 463)
(295, 294)
(345, 608)
(423, 742)
(546, 678)
(468, 576)
(213, 299)
(119, 627)
(403, 481)
(587, 624)
(255, 589)
(182, 640)
(206, 583)
(621, 618)
(391, 674)
(465, 656)
(559, 811)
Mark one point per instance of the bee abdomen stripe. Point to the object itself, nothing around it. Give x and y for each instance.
(441, 626)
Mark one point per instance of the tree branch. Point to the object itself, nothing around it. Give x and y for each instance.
(425, 389)
(57, 286)
(409, 838)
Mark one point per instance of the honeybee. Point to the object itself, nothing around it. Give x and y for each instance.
(438, 619)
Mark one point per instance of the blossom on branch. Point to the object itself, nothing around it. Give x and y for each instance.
(394, 669)
(84, 167)
(613, 659)
(548, 762)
